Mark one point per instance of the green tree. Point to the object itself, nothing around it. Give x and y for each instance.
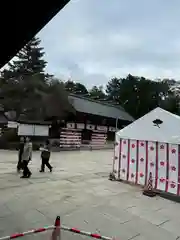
(29, 61)
(97, 93)
(57, 104)
(113, 89)
(23, 81)
(76, 88)
(137, 94)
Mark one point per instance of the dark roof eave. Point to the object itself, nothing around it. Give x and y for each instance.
(114, 118)
(117, 110)
(34, 122)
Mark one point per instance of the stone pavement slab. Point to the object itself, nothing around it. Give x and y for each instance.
(79, 191)
(90, 220)
(149, 231)
(172, 226)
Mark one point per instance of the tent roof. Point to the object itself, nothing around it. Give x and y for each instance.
(144, 128)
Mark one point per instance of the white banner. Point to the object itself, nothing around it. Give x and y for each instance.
(90, 127)
(12, 124)
(33, 130)
(26, 130)
(41, 130)
(70, 125)
(102, 128)
(112, 129)
(80, 125)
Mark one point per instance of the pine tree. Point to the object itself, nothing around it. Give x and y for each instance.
(24, 79)
(28, 62)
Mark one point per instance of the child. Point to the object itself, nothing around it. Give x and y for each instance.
(45, 156)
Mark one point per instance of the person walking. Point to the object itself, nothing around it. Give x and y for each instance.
(21, 149)
(45, 156)
(26, 157)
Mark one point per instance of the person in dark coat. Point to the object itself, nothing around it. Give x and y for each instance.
(21, 149)
(45, 156)
(26, 157)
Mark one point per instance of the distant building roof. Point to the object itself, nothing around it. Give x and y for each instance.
(3, 119)
(86, 105)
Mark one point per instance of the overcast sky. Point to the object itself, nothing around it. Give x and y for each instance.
(93, 40)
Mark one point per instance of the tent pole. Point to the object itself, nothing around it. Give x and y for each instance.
(114, 144)
(116, 124)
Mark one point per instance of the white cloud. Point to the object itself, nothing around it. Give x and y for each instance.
(93, 40)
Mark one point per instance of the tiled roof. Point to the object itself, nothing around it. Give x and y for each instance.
(86, 105)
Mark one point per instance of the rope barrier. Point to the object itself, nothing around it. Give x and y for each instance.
(56, 232)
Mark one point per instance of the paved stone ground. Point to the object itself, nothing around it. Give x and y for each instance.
(79, 191)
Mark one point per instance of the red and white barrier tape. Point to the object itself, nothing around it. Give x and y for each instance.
(89, 234)
(39, 230)
(34, 231)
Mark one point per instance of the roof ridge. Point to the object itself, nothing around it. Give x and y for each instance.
(96, 101)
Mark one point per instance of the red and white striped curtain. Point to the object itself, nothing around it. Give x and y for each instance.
(98, 139)
(70, 138)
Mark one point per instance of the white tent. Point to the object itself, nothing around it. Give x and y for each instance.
(150, 145)
(145, 129)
